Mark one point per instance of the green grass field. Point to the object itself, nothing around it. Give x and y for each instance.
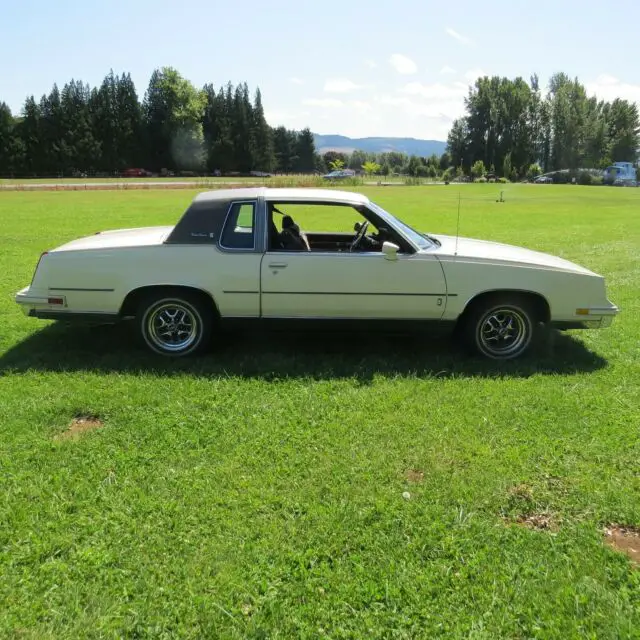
(257, 492)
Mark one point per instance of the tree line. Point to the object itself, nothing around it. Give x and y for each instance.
(510, 127)
(176, 127)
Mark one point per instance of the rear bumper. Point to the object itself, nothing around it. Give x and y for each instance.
(31, 301)
(38, 305)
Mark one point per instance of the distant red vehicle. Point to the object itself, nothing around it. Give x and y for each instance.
(136, 173)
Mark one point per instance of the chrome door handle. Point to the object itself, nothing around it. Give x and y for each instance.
(278, 265)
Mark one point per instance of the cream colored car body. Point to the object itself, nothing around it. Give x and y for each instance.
(92, 277)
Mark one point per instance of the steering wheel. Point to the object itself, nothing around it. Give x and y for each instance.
(359, 236)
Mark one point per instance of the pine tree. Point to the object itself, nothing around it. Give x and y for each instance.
(283, 145)
(262, 139)
(11, 146)
(305, 152)
(129, 124)
(51, 133)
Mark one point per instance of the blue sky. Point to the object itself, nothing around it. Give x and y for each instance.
(339, 67)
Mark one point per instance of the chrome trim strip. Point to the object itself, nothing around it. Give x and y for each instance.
(251, 292)
(80, 289)
(359, 293)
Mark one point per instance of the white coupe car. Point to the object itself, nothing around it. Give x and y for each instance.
(241, 254)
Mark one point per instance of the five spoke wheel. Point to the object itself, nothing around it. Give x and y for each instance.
(174, 324)
(501, 328)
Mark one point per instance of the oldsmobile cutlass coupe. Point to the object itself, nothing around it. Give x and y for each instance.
(242, 254)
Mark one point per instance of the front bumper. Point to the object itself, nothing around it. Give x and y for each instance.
(593, 318)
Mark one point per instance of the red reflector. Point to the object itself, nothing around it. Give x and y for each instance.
(55, 300)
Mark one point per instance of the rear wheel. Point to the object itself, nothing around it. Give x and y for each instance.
(174, 324)
(501, 327)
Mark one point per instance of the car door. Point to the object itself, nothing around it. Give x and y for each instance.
(351, 285)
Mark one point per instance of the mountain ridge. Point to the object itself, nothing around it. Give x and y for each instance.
(378, 144)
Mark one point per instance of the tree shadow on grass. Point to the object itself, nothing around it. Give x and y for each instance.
(275, 355)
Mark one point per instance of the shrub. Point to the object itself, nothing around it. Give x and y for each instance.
(481, 179)
(422, 171)
(533, 171)
(478, 169)
(491, 180)
(584, 178)
(502, 180)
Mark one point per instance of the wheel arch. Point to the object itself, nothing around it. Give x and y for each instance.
(133, 298)
(540, 304)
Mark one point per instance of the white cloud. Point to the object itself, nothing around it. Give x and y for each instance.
(370, 63)
(457, 36)
(294, 80)
(473, 74)
(291, 118)
(340, 85)
(403, 65)
(360, 105)
(446, 70)
(331, 103)
(424, 110)
(608, 88)
(436, 91)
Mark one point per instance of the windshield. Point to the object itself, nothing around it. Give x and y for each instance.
(416, 237)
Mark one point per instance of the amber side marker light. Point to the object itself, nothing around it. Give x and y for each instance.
(582, 312)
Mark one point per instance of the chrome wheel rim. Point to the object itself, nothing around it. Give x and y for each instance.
(173, 326)
(503, 332)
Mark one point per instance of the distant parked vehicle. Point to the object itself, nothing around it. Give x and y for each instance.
(260, 174)
(340, 174)
(620, 174)
(136, 173)
(544, 180)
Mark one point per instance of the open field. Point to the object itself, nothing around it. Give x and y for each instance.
(257, 492)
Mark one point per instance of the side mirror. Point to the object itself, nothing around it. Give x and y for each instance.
(390, 250)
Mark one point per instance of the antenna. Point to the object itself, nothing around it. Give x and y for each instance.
(457, 226)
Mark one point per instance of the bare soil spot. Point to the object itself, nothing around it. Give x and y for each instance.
(414, 475)
(626, 540)
(79, 426)
(538, 521)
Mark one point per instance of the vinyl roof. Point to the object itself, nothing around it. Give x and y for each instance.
(283, 195)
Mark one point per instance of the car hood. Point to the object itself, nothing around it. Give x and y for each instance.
(485, 251)
(141, 237)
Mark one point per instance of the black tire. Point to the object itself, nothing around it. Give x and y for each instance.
(174, 323)
(501, 327)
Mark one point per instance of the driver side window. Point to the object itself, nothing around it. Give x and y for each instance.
(319, 227)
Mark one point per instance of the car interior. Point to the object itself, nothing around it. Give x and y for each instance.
(286, 234)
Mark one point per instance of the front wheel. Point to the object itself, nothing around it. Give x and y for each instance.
(174, 324)
(501, 328)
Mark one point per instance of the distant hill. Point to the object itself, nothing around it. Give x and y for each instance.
(411, 146)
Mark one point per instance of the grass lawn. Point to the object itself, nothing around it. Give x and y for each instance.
(257, 492)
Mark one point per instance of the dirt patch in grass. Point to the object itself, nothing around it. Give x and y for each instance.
(79, 426)
(626, 540)
(538, 521)
(414, 475)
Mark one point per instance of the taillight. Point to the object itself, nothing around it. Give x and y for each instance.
(42, 255)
